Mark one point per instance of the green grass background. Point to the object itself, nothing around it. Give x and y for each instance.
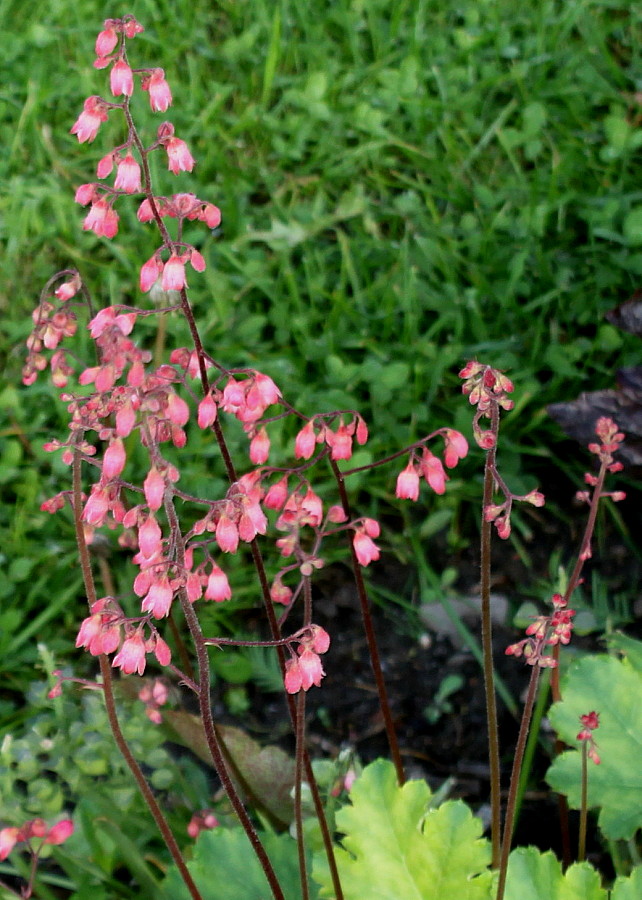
(403, 186)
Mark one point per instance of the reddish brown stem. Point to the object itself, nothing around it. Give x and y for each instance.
(487, 646)
(518, 759)
(371, 638)
(112, 714)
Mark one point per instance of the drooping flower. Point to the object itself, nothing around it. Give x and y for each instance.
(121, 79)
(88, 122)
(179, 159)
(150, 273)
(305, 441)
(408, 483)
(260, 447)
(160, 95)
(174, 274)
(106, 41)
(128, 175)
(102, 219)
(365, 548)
(131, 656)
(218, 587)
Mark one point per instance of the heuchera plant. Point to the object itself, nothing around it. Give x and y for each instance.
(178, 540)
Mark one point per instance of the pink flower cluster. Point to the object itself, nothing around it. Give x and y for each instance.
(202, 820)
(102, 630)
(545, 631)
(430, 466)
(51, 324)
(590, 722)
(131, 177)
(154, 694)
(487, 389)
(317, 431)
(305, 669)
(34, 828)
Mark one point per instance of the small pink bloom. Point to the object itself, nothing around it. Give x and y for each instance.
(311, 669)
(320, 639)
(160, 95)
(164, 656)
(365, 548)
(105, 166)
(114, 459)
(197, 261)
(85, 194)
(174, 274)
(125, 420)
(218, 587)
(121, 80)
(131, 657)
(293, 676)
(59, 833)
(433, 471)
(86, 126)
(96, 507)
(263, 392)
(227, 535)
(150, 273)
(207, 411)
(340, 443)
(131, 28)
(408, 483)
(149, 537)
(154, 488)
(361, 432)
(178, 155)
(371, 528)
(260, 447)
(177, 410)
(211, 215)
(159, 598)
(8, 840)
(277, 494)
(305, 442)
(106, 41)
(128, 175)
(101, 219)
(194, 587)
(145, 213)
(280, 593)
(456, 447)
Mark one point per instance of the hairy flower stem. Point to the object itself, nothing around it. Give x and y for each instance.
(556, 694)
(265, 591)
(514, 780)
(487, 648)
(298, 778)
(373, 649)
(259, 566)
(108, 693)
(205, 706)
(581, 846)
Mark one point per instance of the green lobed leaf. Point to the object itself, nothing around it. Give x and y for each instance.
(612, 688)
(628, 888)
(394, 846)
(225, 867)
(539, 876)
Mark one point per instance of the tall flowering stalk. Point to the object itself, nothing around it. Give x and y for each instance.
(127, 394)
(489, 391)
(552, 631)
